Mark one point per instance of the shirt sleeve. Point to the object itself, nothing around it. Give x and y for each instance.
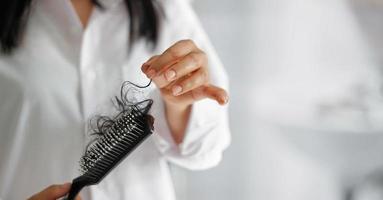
(207, 134)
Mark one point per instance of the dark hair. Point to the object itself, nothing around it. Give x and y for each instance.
(143, 16)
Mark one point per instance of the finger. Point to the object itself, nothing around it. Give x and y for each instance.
(209, 91)
(53, 192)
(146, 65)
(171, 84)
(173, 54)
(197, 79)
(78, 197)
(56, 191)
(202, 92)
(189, 63)
(215, 93)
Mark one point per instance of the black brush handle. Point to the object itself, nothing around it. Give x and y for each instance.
(77, 185)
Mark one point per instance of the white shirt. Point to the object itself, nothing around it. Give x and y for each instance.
(61, 76)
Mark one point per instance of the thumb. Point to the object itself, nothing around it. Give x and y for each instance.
(206, 91)
(53, 192)
(215, 93)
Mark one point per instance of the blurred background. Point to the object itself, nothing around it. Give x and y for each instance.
(306, 108)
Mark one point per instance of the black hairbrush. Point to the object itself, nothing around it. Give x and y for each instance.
(117, 137)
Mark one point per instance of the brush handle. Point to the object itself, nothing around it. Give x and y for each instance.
(77, 184)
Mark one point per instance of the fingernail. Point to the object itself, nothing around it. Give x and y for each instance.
(145, 66)
(223, 100)
(176, 90)
(170, 75)
(151, 73)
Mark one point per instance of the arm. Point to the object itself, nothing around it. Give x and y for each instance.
(192, 134)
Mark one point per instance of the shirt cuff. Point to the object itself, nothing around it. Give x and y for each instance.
(206, 135)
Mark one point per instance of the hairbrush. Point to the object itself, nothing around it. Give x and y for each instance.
(116, 138)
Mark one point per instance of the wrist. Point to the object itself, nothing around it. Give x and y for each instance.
(178, 107)
(177, 117)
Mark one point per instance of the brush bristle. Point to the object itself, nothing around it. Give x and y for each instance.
(129, 130)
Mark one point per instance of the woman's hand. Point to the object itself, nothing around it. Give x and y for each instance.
(53, 192)
(181, 73)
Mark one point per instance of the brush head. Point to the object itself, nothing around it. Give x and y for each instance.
(116, 138)
(121, 138)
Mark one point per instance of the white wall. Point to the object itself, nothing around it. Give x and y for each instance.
(289, 62)
(229, 18)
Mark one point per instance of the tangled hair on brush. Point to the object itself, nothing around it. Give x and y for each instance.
(117, 137)
(124, 104)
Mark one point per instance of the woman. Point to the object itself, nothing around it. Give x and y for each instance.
(62, 62)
